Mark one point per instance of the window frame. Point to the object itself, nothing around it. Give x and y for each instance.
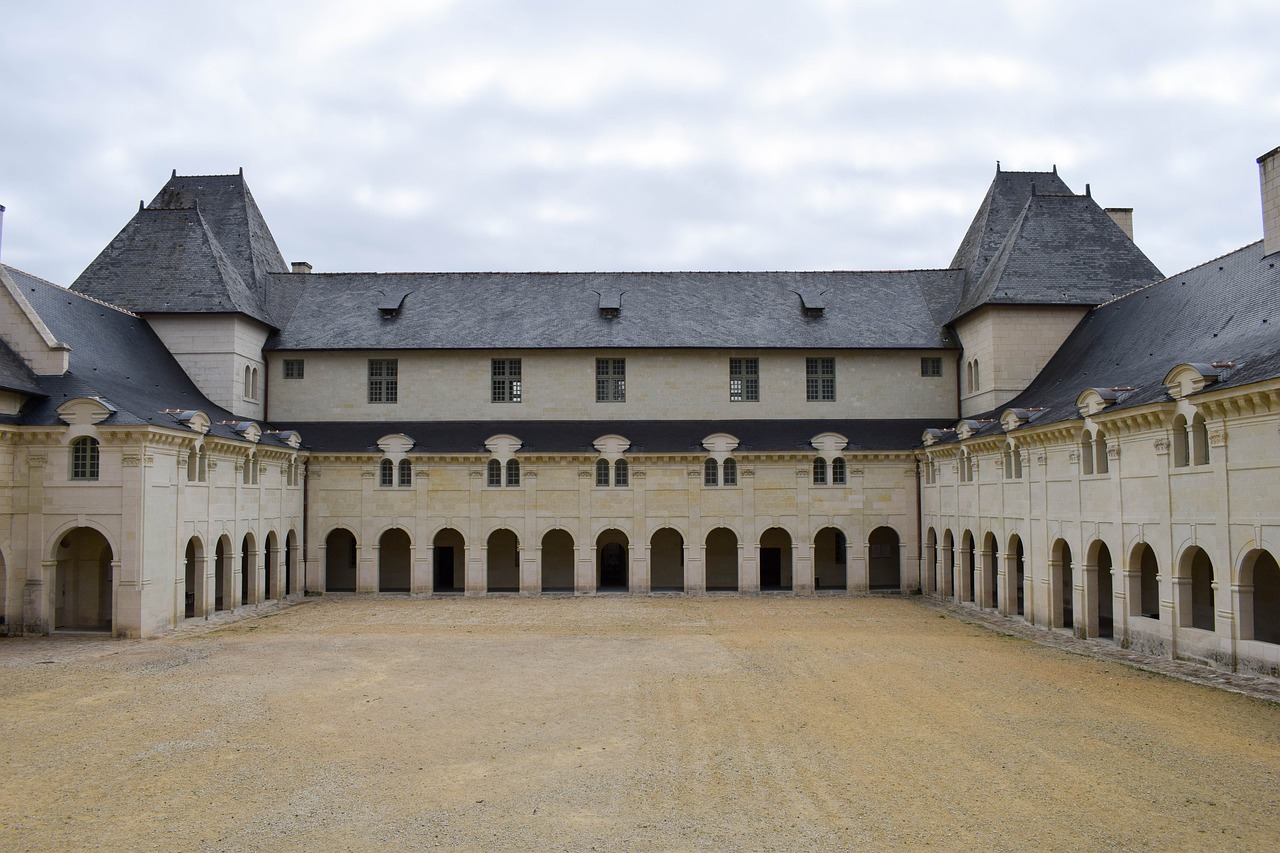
(293, 368)
(506, 380)
(602, 473)
(86, 459)
(512, 479)
(493, 474)
(386, 474)
(744, 380)
(820, 379)
(611, 380)
(404, 473)
(931, 366)
(383, 377)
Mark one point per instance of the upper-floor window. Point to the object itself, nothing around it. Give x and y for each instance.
(84, 458)
(838, 471)
(513, 472)
(250, 472)
(250, 382)
(710, 473)
(386, 473)
(384, 384)
(504, 380)
(744, 380)
(494, 478)
(611, 380)
(1012, 464)
(730, 472)
(621, 473)
(720, 473)
(405, 475)
(931, 365)
(819, 471)
(618, 469)
(293, 368)
(820, 379)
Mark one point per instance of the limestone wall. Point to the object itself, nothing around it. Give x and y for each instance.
(1012, 344)
(214, 350)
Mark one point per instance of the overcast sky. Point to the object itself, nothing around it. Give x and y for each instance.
(698, 134)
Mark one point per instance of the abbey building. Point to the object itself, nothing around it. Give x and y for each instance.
(1046, 425)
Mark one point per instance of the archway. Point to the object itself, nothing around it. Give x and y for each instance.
(1260, 609)
(1019, 574)
(666, 560)
(775, 559)
(1062, 579)
(722, 560)
(83, 582)
(948, 577)
(929, 573)
(271, 574)
(248, 570)
(1098, 589)
(290, 560)
(503, 569)
(557, 561)
(969, 556)
(990, 590)
(884, 570)
(340, 561)
(1144, 593)
(223, 575)
(1198, 611)
(830, 559)
(193, 579)
(611, 560)
(4, 594)
(394, 561)
(448, 570)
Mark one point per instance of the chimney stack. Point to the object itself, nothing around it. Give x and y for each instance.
(1, 225)
(301, 266)
(1269, 175)
(1122, 216)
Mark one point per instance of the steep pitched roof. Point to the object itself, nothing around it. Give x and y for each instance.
(200, 246)
(114, 355)
(1226, 310)
(1060, 250)
(15, 375)
(658, 309)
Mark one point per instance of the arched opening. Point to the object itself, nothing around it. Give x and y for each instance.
(819, 471)
(84, 458)
(513, 472)
(83, 582)
(1260, 609)
(1199, 440)
(502, 572)
(1100, 589)
(722, 560)
(223, 573)
(1100, 464)
(1181, 443)
(830, 559)
(290, 563)
(884, 570)
(395, 560)
(621, 473)
(1019, 574)
(1145, 600)
(248, 570)
(1086, 453)
(666, 560)
(4, 594)
(611, 561)
(386, 473)
(968, 578)
(1196, 566)
(270, 556)
(602, 472)
(947, 575)
(775, 560)
(494, 476)
(404, 473)
(929, 573)
(340, 561)
(193, 578)
(1062, 578)
(710, 473)
(448, 569)
(990, 590)
(557, 561)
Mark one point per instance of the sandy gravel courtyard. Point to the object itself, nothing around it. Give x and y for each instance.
(618, 723)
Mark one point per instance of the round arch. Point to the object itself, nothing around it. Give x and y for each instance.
(969, 566)
(224, 573)
(929, 572)
(666, 560)
(830, 559)
(341, 555)
(1194, 602)
(1260, 597)
(1016, 575)
(448, 561)
(884, 559)
(612, 559)
(1098, 590)
(557, 560)
(722, 559)
(270, 566)
(193, 603)
(775, 559)
(502, 560)
(948, 570)
(84, 583)
(395, 559)
(1061, 585)
(988, 587)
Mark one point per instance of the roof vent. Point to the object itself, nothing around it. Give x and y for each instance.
(812, 301)
(610, 302)
(392, 302)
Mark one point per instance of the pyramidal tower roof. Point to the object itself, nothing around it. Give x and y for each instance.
(201, 245)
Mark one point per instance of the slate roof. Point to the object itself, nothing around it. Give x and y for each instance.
(1226, 310)
(14, 373)
(903, 309)
(115, 356)
(645, 436)
(200, 246)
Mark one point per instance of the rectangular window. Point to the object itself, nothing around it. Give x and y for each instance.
(820, 379)
(383, 380)
(504, 380)
(931, 366)
(611, 380)
(744, 380)
(293, 368)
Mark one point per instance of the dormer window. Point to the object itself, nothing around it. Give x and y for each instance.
(610, 303)
(812, 301)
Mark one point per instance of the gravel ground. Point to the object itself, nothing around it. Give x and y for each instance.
(619, 723)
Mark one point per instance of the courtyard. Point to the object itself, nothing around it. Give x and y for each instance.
(619, 723)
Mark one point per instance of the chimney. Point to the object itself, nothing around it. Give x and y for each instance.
(1269, 175)
(1, 225)
(1122, 216)
(301, 266)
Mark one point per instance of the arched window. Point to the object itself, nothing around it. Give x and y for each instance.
(710, 473)
(253, 384)
(1100, 464)
(602, 472)
(84, 458)
(495, 474)
(977, 375)
(621, 473)
(202, 473)
(838, 471)
(193, 465)
(1181, 450)
(513, 472)
(248, 388)
(1199, 441)
(730, 472)
(819, 471)
(405, 469)
(386, 473)
(1086, 453)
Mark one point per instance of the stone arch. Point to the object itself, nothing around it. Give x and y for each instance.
(291, 577)
(1199, 440)
(968, 567)
(1194, 590)
(612, 560)
(4, 595)
(1260, 597)
(666, 560)
(884, 559)
(1144, 586)
(1017, 572)
(224, 596)
(948, 569)
(558, 560)
(448, 561)
(271, 571)
(1061, 586)
(341, 555)
(929, 574)
(988, 588)
(722, 560)
(830, 559)
(1098, 590)
(83, 581)
(193, 579)
(1181, 442)
(502, 561)
(775, 560)
(249, 592)
(395, 560)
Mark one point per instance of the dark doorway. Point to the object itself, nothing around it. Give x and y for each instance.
(771, 568)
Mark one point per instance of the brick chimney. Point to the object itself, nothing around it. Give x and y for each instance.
(1269, 175)
(1122, 216)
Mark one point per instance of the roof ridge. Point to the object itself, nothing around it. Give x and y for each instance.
(622, 272)
(102, 302)
(1178, 274)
